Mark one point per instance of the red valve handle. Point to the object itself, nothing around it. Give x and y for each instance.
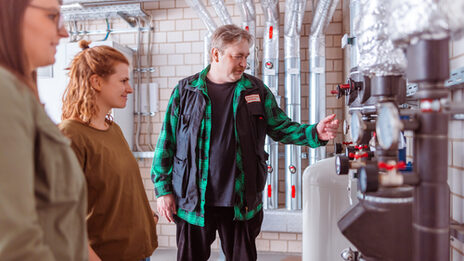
(333, 92)
(344, 86)
(360, 147)
(347, 143)
(352, 155)
(400, 165)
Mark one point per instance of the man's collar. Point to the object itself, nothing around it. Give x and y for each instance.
(200, 82)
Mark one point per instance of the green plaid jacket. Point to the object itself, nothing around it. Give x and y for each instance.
(280, 128)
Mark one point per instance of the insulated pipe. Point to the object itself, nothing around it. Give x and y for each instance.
(294, 13)
(317, 89)
(205, 17)
(270, 71)
(428, 65)
(221, 11)
(248, 14)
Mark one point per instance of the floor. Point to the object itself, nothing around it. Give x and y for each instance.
(168, 254)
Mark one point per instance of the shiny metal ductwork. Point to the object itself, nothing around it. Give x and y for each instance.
(270, 71)
(205, 17)
(294, 13)
(317, 93)
(221, 11)
(248, 14)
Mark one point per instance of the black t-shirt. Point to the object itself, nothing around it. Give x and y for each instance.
(222, 169)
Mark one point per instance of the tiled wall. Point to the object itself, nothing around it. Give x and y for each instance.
(177, 52)
(456, 154)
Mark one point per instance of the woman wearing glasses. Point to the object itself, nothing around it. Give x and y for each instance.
(43, 200)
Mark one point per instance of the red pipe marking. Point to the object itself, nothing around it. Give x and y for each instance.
(293, 191)
(271, 29)
(269, 191)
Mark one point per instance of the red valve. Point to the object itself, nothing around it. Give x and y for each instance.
(400, 165)
(357, 156)
(347, 143)
(293, 191)
(247, 28)
(269, 191)
(292, 169)
(360, 147)
(333, 92)
(271, 29)
(345, 86)
(269, 169)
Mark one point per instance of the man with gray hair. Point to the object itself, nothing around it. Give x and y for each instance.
(209, 167)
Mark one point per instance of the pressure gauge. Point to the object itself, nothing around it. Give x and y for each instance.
(357, 127)
(342, 164)
(388, 125)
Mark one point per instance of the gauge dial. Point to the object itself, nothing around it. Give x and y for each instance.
(357, 127)
(388, 125)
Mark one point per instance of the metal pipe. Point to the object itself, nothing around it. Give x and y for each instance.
(428, 63)
(205, 17)
(248, 14)
(322, 16)
(221, 11)
(270, 71)
(294, 13)
(137, 91)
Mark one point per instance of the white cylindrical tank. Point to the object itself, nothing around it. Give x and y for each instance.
(325, 198)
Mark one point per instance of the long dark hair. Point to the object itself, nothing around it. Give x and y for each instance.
(12, 54)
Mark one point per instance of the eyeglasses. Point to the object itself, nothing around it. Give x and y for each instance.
(53, 15)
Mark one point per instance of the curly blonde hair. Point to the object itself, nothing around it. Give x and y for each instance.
(79, 99)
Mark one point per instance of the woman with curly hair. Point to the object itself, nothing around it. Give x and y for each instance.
(121, 224)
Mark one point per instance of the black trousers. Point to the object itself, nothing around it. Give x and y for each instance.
(237, 237)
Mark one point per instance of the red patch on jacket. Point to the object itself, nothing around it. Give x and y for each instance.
(252, 98)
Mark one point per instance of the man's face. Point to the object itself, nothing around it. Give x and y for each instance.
(232, 62)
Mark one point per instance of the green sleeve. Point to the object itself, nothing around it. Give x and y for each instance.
(281, 128)
(161, 169)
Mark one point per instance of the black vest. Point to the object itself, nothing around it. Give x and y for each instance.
(251, 129)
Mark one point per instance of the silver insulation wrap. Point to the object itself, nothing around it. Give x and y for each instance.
(413, 20)
(248, 14)
(317, 89)
(205, 17)
(270, 69)
(294, 13)
(377, 54)
(221, 11)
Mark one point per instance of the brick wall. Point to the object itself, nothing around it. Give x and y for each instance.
(177, 52)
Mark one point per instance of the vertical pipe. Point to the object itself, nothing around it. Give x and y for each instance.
(294, 12)
(270, 71)
(248, 14)
(205, 17)
(317, 90)
(221, 11)
(428, 64)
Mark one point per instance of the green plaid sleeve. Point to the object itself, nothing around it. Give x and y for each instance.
(161, 168)
(281, 128)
